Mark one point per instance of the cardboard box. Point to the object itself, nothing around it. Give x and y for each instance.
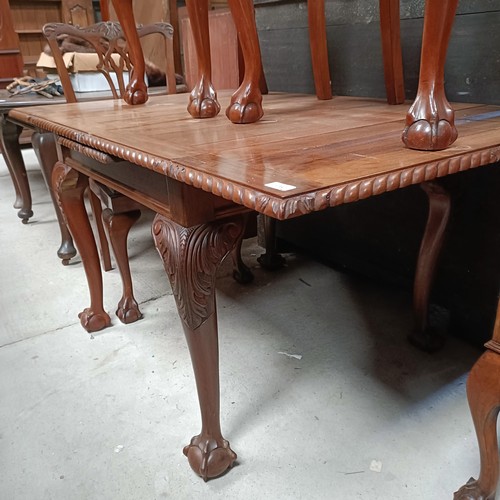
(83, 75)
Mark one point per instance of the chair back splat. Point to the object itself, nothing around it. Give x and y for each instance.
(107, 41)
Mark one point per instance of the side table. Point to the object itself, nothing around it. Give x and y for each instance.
(11, 149)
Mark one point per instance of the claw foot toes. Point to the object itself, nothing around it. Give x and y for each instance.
(128, 311)
(208, 458)
(203, 108)
(471, 491)
(135, 96)
(93, 322)
(244, 113)
(430, 136)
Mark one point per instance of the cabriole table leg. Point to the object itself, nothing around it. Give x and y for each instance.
(69, 186)
(424, 337)
(44, 145)
(191, 257)
(9, 139)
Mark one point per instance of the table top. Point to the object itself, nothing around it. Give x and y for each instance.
(304, 155)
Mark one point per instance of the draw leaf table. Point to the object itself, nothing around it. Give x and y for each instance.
(203, 177)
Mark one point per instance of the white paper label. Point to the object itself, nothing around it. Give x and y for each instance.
(279, 186)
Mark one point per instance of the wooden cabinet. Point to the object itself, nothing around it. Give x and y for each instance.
(11, 63)
(29, 16)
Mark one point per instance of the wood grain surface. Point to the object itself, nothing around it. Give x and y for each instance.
(322, 153)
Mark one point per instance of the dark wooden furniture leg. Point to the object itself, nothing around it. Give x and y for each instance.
(483, 393)
(137, 91)
(119, 225)
(423, 336)
(246, 102)
(44, 145)
(203, 98)
(271, 259)
(241, 272)
(391, 48)
(70, 186)
(191, 257)
(95, 203)
(9, 140)
(319, 48)
(430, 121)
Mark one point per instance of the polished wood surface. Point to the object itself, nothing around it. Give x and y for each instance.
(202, 177)
(326, 152)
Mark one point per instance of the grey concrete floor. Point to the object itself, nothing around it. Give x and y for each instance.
(362, 415)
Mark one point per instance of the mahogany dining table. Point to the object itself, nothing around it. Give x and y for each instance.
(202, 177)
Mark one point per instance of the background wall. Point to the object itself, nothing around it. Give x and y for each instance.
(380, 237)
(473, 64)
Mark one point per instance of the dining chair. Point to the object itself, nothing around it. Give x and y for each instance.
(108, 47)
(391, 49)
(113, 61)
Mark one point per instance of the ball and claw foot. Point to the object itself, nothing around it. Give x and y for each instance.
(430, 136)
(209, 458)
(246, 106)
(430, 123)
(203, 101)
(128, 311)
(472, 491)
(93, 322)
(136, 93)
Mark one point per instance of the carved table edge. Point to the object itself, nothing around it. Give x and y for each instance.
(265, 203)
(89, 152)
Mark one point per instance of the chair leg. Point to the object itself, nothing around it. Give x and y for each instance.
(391, 49)
(9, 140)
(203, 98)
(44, 146)
(246, 102)
(271, 259)
(119, 225)
(319, 48)
(95, 203)
(423, 336)
(241, 272)
(430, 122)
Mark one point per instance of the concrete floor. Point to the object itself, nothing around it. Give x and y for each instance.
(362, 415)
